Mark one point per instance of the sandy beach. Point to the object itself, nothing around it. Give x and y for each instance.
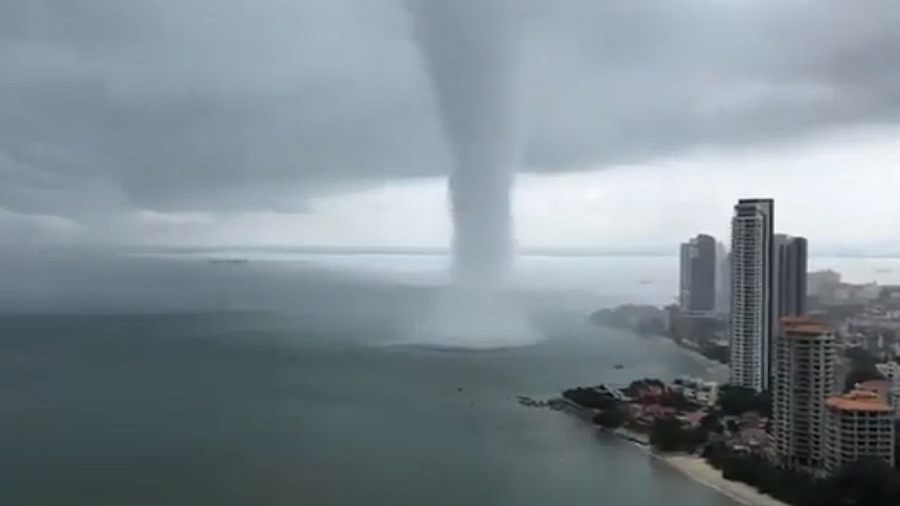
(697, 469)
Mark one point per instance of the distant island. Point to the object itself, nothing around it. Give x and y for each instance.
(238, 261)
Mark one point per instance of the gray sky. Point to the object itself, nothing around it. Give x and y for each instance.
(292, 121)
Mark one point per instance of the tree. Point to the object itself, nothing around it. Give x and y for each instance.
(859, 357)
(736, 400)
(671, 435)
(860, 374)
(611, 418)
(590, 398)
(678, 401)
(867, 481)
(710, 422)
(897, 446)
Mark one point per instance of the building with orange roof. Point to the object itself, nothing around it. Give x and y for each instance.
(803, 377)
(859, 424)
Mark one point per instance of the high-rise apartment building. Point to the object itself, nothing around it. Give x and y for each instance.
(803, 372)
(698, 275)
(859, 424)
(790, 266)
(750, 319)
(723, 279)
(684, 276)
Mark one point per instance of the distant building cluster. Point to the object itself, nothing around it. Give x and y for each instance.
(762, 279)
(772, 313)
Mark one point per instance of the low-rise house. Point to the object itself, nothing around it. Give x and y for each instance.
(644, 415)
(697, 390)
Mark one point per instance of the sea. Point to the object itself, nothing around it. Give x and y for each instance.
(301, 379)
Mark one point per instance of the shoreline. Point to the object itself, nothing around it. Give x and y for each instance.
(699, 471)
(716, 370)
(696, 468)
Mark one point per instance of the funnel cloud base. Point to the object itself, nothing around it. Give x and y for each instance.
(475, 317)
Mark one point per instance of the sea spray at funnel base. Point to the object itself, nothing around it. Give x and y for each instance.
(465, 45)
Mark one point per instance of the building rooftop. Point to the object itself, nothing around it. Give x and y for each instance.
(858, 400)
(787, 320)
(805, 326)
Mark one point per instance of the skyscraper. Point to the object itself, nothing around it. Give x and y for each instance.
(698, 276)
(803, 379)
(790, 276)
(723, 279)
(684, 276)
(750, 320)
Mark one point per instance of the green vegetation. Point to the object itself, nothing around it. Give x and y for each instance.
(677, 401)
(612, 412)
(611, 418)
(590, 398)
(865, 482)
(637, 385)
(673, 435)
(736, 400)
(859, 357)
(897, 446)
(862, 367)
(711, 423)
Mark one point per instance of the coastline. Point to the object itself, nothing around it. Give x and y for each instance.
(694, 467)
(716, 370)
(697, 469)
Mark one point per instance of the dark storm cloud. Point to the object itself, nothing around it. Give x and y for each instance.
(212, 104)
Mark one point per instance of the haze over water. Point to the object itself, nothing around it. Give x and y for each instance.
(308, 403)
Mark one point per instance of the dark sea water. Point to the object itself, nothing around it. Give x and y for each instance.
(305, 398)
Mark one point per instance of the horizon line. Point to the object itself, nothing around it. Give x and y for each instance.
(443, 251)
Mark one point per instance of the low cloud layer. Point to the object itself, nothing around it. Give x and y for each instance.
(208, 105)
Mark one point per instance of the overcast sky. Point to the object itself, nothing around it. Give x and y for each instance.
(314, 122)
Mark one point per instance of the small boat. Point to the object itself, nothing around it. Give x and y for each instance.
(619, 366)
(645, 282)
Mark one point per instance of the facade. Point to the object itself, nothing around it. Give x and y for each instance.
(684, 276)
(790, 265)
(803, 379)
(723, 279)
(750, 318)
(859, 424)
(698, 275)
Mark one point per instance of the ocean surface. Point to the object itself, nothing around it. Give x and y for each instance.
(306, 380)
